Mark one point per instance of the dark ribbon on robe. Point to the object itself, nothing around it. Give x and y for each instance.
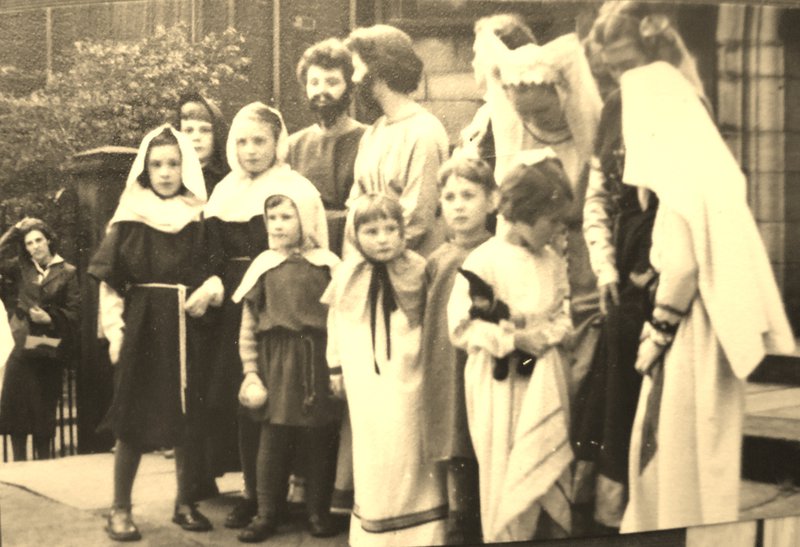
(380, 284)
(651, 416)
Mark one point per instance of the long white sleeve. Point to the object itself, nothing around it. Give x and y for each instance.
(248, 348)
(112, 326)
(597, 227)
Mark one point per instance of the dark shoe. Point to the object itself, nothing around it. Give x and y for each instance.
(120, 526)
(259, 529)
(190, 519)
(321, 526)
(242, 514)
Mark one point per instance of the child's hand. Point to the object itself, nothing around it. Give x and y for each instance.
(197, 303)
(498, 340)
(531, 341)
(114, 347)
(337, 386)
(246, 397)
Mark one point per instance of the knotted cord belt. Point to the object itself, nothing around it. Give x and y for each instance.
(181, 329)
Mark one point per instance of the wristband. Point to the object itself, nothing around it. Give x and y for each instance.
(664, 327)
(658, 336)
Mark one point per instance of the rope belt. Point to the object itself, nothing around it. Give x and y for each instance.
(181, 330)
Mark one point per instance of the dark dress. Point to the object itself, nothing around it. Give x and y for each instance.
(33, 383)
(146, 410)
(606, 401)
(291, 339)
(235, 245)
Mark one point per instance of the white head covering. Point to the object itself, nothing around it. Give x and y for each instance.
(562, 63)
(674, 149)
(171, 215)
(238, 197)
(313, 229)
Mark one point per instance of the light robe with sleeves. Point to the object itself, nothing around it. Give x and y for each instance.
(400, 158)
(712, 263)
(399, 495)
(519, 426)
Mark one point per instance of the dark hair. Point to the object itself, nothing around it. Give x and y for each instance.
(619, 20)
(275, 200)
(219, 127)
(165, 138)
(371, 207)
(264, 114)
(509, 27)
(529, 192)
(389, 54)
(328, 54)
(474, 170)
(31, 225)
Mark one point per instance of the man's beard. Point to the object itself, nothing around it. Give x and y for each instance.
(366, 96)
(328, 112)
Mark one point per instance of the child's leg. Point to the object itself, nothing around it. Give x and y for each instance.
(464, 522)
(19, 446)
(185, 474)
(249, 433)
(275, 450)
(126, 464)
(186, 514)
(342, 500)
(319, 445)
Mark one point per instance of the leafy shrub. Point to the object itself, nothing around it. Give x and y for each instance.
(112, 94)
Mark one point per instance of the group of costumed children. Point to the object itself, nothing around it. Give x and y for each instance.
(433, 357)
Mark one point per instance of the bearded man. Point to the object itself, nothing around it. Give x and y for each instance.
(325, 152)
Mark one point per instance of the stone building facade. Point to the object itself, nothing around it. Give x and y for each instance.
(748, 56)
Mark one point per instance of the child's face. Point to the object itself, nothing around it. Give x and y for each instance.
(164, 169)
(283, 226)
(255, 146)
(536, 236)
(202, 135)
(465, 205)
(380, 239)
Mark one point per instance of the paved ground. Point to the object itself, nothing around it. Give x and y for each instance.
(62, 502)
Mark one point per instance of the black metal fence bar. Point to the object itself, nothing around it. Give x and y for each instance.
(64, 441)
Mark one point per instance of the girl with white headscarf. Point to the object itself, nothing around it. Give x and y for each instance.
(257, 148)
(156, 283)
(376, 301)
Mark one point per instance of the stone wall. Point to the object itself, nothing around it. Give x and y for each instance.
(759, 116)
(448, 88)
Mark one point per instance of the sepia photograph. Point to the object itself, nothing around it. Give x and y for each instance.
(368, 273)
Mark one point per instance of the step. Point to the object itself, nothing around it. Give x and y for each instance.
(772, 411)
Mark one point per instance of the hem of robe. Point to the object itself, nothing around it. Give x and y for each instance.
(400, 522)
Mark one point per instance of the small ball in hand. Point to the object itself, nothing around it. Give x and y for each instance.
(255, 395)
